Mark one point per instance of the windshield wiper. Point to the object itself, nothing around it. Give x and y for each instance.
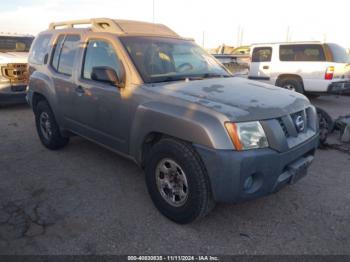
(212, 75)
(189, 77)
(169, 79)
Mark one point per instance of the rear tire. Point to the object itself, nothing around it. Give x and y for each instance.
(181, 204)
(47, 127)
(292, 85)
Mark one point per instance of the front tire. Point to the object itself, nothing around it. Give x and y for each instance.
(47, 127)
(177, 181)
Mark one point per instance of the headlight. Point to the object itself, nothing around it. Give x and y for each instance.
(247, 135)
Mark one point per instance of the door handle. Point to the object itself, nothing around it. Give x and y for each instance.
(79, 90)
(266, 67)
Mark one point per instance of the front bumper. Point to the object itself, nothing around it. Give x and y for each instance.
(342, 87)
(271, 170)
(12, 94)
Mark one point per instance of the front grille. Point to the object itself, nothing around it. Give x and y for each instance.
(294, 124)
(283, 126)
(300, 121)
(16, 73)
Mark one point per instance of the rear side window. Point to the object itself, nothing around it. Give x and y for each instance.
(339, 54)
(306, 53)
(100, 53)
(56, 52)
(262, 54)
(64, 54)
(40, 49)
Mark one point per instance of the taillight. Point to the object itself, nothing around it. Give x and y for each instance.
(329, 73)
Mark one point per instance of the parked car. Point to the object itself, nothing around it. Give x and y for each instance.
(13, 67)
(242, 50)
(139, 89)
(236, 60)
(306, 67)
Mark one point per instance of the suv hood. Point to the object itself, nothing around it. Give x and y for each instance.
(13, 57)
(237, 98)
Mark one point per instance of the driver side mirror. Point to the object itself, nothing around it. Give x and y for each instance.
(106, 74)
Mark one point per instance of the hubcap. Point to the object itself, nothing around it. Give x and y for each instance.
(289, 87)
(171, 182)
(45, 125)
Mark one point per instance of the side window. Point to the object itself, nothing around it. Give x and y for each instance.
(57, 51)
(100, 53)
(40, 49)
(64, 53)
(67, 56)
(262, 54)
(306, 53)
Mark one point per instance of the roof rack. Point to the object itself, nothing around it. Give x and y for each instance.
(117, 26)
(97, 24)
(290, 42)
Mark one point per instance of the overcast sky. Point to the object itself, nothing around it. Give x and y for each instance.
(261, 20)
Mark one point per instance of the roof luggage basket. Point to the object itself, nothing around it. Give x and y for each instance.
(97, 25)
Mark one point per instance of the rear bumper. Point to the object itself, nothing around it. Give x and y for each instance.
(342, 87)
(228, 170)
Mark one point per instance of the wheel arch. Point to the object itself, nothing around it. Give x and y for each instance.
(282, 77)
(36, 98)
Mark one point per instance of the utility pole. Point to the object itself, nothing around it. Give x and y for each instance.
(203, 39)
(288, 34)
(238, 35)
(153, 14)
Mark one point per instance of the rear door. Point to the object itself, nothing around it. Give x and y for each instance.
(309, 61)
(62, 64)
(261, 63)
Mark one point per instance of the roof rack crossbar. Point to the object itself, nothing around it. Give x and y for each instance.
(97, 24)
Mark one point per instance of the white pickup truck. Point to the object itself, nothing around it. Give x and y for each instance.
(14, 51)
(306, 67)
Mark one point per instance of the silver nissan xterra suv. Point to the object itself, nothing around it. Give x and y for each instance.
(201, 135)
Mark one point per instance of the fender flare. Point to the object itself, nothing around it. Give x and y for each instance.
(40, 83)
(195, 126)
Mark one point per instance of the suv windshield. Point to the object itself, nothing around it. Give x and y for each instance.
(15, 43)
(339, 54)
(164, 59)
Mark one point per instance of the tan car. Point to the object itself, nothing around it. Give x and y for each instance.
(139, 89)
(14, 51)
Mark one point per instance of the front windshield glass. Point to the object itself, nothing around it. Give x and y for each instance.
(339, 54)
(165, 59)
(15, 44)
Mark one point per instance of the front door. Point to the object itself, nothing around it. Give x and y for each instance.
(101, 113)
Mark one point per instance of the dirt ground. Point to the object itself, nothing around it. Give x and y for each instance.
(87, 200)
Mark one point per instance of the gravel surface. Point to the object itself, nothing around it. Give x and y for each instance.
(87, 200)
